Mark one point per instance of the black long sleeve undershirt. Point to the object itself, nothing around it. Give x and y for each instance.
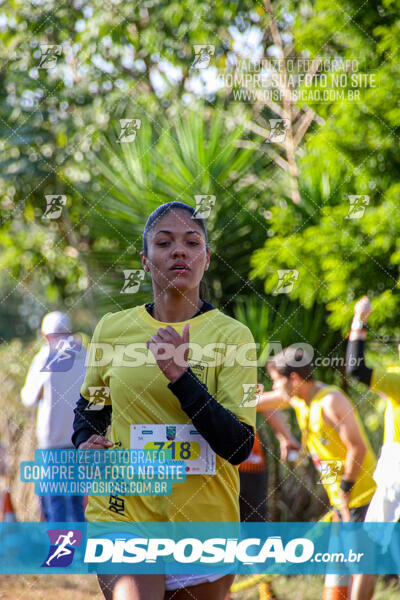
(355, 362)
(89, 422)
(229, 437)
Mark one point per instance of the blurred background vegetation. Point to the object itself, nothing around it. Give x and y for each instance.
(280, 205)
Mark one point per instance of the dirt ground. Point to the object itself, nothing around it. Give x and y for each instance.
(85, 587)
(44, 587)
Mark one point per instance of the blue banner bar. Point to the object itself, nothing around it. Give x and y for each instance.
(241, 548)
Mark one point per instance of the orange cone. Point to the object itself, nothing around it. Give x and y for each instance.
(336, 587)
(7, 509)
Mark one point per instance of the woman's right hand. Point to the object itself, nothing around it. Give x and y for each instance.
(95, 442)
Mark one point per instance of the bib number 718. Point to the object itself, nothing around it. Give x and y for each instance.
(179, 450)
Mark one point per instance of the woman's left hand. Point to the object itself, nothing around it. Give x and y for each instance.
(170, 350)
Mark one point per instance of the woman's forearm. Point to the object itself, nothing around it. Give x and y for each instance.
(229, 437)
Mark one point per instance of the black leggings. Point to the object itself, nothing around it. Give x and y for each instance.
(253, 496)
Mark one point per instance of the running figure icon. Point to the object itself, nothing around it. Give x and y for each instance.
(62, 550)
(64, 350)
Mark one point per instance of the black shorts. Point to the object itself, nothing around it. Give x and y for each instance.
(357, 515)
(253, 496)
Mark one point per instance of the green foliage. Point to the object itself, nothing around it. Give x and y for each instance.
(54, 121)
(197, 154)
(278, 319)
(352, 153)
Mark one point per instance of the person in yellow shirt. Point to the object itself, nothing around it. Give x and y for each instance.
(186, 367)
(333, 435)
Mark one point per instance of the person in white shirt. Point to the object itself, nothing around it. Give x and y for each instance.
(53, 383)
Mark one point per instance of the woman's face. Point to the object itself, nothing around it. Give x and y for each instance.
(176, 252)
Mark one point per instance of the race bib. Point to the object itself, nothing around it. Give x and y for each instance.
(184, 442)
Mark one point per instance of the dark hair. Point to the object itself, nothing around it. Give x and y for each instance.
(163, 210)
(292, 360)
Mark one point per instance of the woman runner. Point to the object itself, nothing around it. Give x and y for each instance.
(204, 391)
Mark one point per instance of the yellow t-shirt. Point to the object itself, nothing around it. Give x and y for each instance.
(139, 395)
(329, 452)
(387, 381)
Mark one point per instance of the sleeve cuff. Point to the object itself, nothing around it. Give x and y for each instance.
(187, 388)
(81, 436)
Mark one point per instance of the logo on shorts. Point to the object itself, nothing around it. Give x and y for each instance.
(170, 432)
(62, 547)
